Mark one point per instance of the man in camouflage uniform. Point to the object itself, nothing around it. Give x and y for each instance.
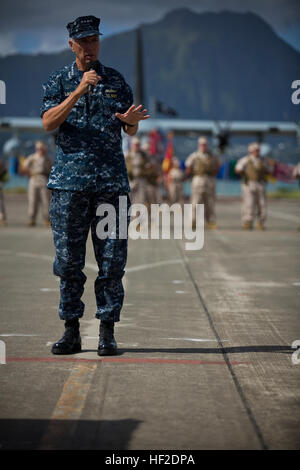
(203, 166)
(176, 178)
(3, 172)
(154, 180)
(136, 163)
(38, 167)
(253, 171)
(89, 107)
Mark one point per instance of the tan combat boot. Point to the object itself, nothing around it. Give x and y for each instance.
(260, 226)
(211, 226)
(247, 226)
(31, 223)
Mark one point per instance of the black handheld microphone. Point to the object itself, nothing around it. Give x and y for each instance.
(93, 65)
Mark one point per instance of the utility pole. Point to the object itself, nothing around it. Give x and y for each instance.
(139, 70)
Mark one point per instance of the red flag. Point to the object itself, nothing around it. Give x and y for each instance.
(283, 172)
(155, 142)
(167, 162)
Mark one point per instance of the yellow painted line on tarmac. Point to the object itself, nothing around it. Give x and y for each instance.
(69, 406)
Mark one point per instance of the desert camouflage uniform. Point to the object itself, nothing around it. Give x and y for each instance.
(38, 167)
(176, 177)
(204, 167)
(89, 169)
(153, 187)
(254, 201)
(136, 163)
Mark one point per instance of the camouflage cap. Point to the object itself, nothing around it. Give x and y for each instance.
(84, 26)
(202, 140)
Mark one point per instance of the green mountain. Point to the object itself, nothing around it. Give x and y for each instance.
(209, 66)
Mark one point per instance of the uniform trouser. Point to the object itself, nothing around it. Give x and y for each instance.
(153, 194)
(38, 193)
(206, 196)
(72, 214)
(175, 192)
(2, 206)
(138, 192)
(254, 202)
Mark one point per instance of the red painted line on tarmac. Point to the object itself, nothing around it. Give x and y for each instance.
(132, 360)
(48, 359)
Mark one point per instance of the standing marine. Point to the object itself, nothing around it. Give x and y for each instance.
(154, 180)
(89, 104)
(137, 164)
(175, 178)
(203, 167)
(38, 167)
(253, 170)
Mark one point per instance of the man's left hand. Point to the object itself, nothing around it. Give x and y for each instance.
(133, 115)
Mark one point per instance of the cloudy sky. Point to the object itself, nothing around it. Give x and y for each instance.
(35, 26)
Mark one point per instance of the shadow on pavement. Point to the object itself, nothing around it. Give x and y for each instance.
(229, 350)
(33, 434)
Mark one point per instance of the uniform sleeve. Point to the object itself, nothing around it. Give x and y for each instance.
(126, 97)
(241, 164)
(127, 100)
(27, 162)
(189, 161)
(52, 93)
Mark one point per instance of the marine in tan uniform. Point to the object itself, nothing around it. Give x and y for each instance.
(203, 166)
(38, 166)
(154, 179)
(296, 174)
(176, 178)
(253, 170)
(3, 172)
(136, 163)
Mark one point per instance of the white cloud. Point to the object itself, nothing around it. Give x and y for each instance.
(40, 19)
(7, 44)
(52, 41)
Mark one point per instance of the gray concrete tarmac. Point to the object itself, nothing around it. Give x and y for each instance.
(205, 358)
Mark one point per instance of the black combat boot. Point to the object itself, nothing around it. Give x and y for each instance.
(107, 343)
(70, 342)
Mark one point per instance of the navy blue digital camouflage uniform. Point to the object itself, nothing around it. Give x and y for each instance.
(89, 169)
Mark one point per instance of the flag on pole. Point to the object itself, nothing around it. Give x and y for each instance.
(283, 172)
(167, 161)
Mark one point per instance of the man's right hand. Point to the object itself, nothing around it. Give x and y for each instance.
(89, 78)
(55, 116)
